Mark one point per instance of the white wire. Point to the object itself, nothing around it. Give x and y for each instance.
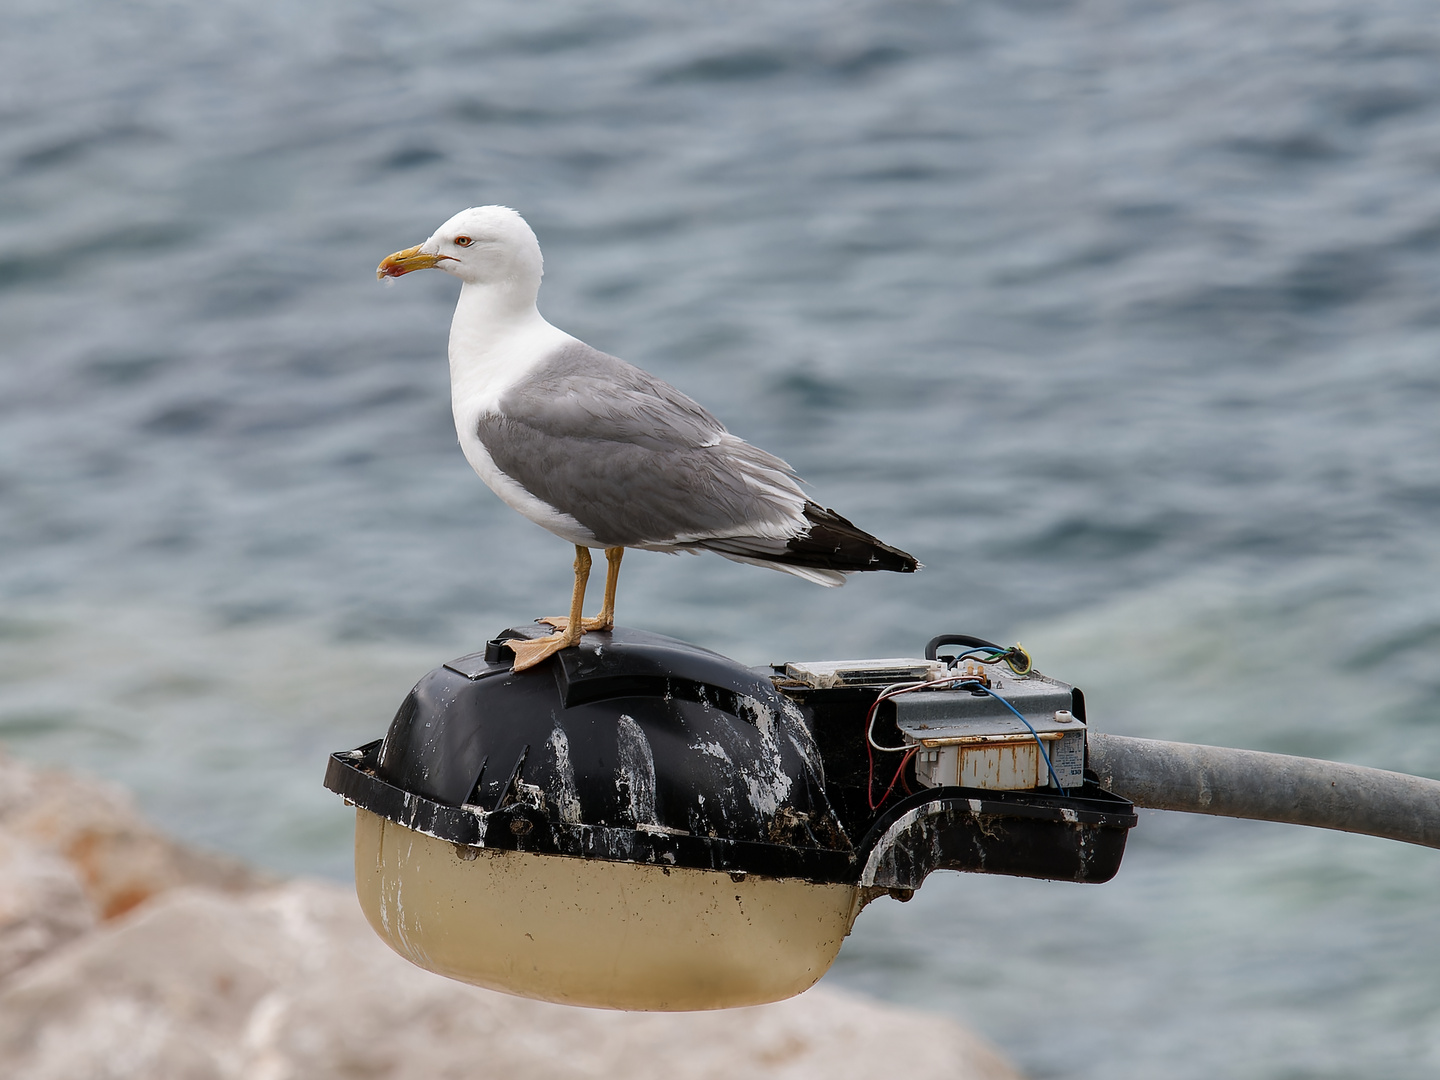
(894, 690)
(903, 688)
(898, 689)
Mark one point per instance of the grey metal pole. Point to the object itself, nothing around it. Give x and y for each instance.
(1268, 787)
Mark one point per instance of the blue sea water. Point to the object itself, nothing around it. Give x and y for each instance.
(1123, 317)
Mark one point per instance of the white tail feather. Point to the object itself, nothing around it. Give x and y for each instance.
(829, 578)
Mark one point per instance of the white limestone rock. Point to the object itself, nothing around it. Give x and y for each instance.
(42, 903)
(127, 956)
(290, 983)
(119, 858)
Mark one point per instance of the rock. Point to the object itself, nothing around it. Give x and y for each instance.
(127, 956)
(290, 983)
(42, 903)
(120, 859)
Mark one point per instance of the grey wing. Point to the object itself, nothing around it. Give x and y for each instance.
(634, 460)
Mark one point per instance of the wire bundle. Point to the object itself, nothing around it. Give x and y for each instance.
(1015, 658)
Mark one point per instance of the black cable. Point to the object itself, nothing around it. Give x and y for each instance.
(958, 639)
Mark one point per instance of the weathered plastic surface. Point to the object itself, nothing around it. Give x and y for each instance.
(631, 746)
(594, 932)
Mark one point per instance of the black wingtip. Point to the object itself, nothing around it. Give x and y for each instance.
(833, 543)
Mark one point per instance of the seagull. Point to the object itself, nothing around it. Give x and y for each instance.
(601, 453)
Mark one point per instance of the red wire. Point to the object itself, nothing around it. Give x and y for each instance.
(903, 762)
(870, 753)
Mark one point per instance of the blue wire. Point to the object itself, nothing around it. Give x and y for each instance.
(1050, 768)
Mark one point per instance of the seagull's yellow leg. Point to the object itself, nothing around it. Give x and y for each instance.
(530, 653)
(606, 619)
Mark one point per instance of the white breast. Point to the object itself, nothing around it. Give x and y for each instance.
(487, 357)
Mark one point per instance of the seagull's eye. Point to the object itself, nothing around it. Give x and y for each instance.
(463, 241)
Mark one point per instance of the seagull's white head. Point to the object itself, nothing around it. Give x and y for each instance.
(484, 246)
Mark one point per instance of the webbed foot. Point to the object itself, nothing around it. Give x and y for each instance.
(534, 651)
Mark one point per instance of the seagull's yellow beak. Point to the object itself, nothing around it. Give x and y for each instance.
(402, 262)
